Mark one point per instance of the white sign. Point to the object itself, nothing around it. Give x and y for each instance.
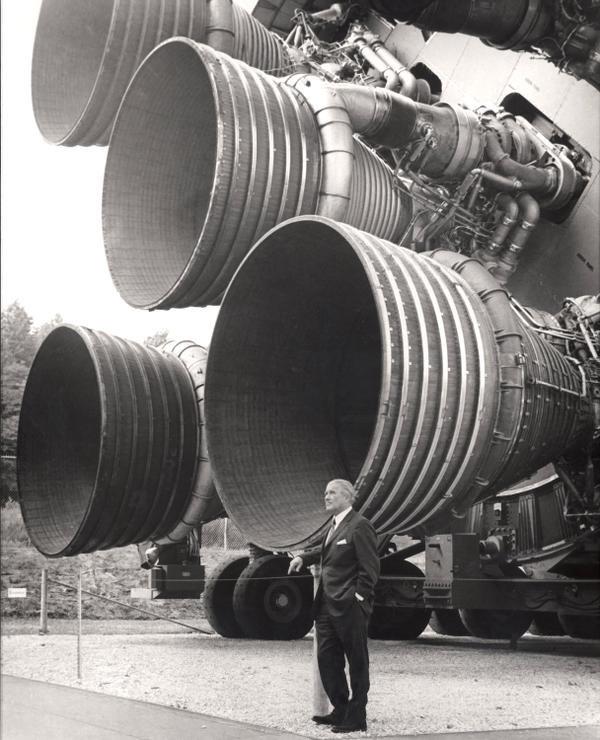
(17, 592)
(143, 593)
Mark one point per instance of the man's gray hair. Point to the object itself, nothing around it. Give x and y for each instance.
(344, 487)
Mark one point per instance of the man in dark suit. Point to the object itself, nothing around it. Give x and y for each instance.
(342, 606)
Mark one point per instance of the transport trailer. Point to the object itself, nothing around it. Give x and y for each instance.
(519, 568)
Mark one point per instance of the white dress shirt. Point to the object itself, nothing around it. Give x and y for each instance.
(342, 515)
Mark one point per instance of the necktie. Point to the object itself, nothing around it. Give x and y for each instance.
(331, 531)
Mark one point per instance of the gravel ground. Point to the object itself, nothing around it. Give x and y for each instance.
(435, 684)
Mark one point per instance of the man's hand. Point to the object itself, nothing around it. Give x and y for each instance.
(295, 565)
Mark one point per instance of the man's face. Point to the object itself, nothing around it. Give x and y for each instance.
(336, 502)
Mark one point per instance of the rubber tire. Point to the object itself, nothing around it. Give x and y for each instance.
(496, 624)
(448, 622)
(390, 622)
(580, 626)
(546, 624)
(218, 597)
(269, 604)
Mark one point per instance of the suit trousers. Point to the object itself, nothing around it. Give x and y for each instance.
(339, 637)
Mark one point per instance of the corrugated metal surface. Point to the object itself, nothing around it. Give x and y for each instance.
(338, 354)
(377, 204)
(204, 504)
(108, 443)
(87, 51)
(207, 155)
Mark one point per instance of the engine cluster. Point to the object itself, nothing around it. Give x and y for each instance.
(356, 228)
(505, 170)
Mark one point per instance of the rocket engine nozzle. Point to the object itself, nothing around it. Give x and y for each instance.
(338, 354)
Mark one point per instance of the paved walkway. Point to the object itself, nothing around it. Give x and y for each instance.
(32, 710)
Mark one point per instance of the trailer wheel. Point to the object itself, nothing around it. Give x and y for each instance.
(496, 624)
(546, 624)
(447, 622)
(580, 626)
(218, 597)
(390, 622)
(269, 604)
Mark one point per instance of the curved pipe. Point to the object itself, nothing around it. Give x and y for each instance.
(337, 143)
(509, 210)
(108, 443)
(537, 180)
(523, 148)
(356, 187)
(501, 183)
(379, 365)
(204, 504)
(86, 52)
(392, 81)
(219, 32)
(424, 94)
(395, 74)
(406, 80)
(529, 216)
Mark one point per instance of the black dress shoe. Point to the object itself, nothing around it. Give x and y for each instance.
(333, 718)
(350, 728)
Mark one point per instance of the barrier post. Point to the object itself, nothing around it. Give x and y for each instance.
(225, 534)
(44, 603)
(79, 614)
(320, 700)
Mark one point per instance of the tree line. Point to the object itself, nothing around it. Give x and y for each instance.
(20, 340)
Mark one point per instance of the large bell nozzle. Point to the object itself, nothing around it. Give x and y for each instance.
(208, 154)
(110, 446)
(86, 52)
(507, 24)
(340, 355)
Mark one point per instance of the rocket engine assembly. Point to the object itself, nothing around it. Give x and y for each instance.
(207, 155)
(357, 231)
(111, 449)
(414, 375)
(411, 374)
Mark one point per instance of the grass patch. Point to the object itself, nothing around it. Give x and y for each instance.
(111, 573)
(12, 528)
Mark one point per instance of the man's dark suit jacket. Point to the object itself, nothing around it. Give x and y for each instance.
(349, 565)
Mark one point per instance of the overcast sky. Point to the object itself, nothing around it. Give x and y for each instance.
(52, 252)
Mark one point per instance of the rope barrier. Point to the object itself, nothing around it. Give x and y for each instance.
(592, 606)
(130, 606)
